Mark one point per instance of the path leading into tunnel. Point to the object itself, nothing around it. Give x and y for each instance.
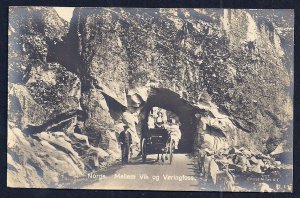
(181, 175)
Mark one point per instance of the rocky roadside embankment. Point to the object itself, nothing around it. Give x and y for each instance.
(241, 169)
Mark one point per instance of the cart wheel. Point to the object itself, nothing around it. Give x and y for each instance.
(144, 155)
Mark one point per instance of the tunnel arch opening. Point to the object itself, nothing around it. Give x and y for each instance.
(171, 101)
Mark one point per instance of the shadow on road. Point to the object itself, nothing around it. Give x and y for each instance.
(139, 161)
(153, 161)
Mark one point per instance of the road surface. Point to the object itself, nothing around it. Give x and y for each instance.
(181, 175)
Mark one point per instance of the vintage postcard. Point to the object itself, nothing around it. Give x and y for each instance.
(150, 99)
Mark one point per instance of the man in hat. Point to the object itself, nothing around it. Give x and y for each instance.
(125, 140)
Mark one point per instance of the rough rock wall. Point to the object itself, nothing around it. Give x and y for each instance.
(32, 31)
(43, 105)
(237, 60)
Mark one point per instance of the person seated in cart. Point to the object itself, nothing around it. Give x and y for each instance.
(174, 132)
(159, 122)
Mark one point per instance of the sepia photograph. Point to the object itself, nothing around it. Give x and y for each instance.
(160, 99)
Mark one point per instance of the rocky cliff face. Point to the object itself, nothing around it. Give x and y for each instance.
(240, 62)
(31, 33)
(43, 105)
(110, 66)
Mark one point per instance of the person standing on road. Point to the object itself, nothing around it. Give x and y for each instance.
(125, 140)
(174, 132)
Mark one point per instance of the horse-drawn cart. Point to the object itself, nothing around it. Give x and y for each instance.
(158, 141)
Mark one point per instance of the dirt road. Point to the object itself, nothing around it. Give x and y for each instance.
(180, 175)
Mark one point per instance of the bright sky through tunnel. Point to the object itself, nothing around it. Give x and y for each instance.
(65, 12)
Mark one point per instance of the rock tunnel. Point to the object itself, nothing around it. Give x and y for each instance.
(171, 101)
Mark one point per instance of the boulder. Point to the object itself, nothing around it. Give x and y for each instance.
(256, 169)
(219, 120)
(264, 187)
(223, 161)
(50, 91)
(23, 110)
(244, 162)
(277, 163)
(261, 163)
(225, 181)
(95, 158)
(253, 160)
(263, 156)
(279, 149)
(214, 142)
(54, 88)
